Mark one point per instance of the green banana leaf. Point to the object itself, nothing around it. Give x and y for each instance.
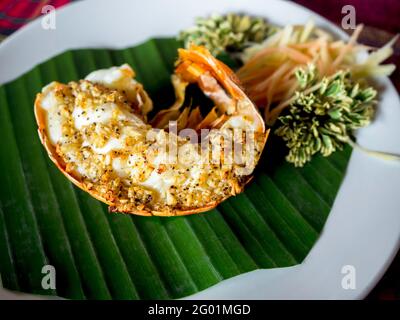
(45, 220)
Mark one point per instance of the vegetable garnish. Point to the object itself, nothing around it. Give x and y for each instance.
(310, 87)
(323, 114)
(269, 70)
(232, 32)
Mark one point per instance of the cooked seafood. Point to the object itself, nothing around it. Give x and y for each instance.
(97, 134)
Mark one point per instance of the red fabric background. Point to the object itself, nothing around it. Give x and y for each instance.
(15, 13)
(382, 14)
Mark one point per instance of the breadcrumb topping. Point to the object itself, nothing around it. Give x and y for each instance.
(104, 142)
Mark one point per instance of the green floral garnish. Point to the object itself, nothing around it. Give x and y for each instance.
(230, 33)
(324, 113)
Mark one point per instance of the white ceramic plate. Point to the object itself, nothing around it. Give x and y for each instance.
(364, 226)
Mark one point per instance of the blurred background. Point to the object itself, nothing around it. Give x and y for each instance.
(381, 19)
